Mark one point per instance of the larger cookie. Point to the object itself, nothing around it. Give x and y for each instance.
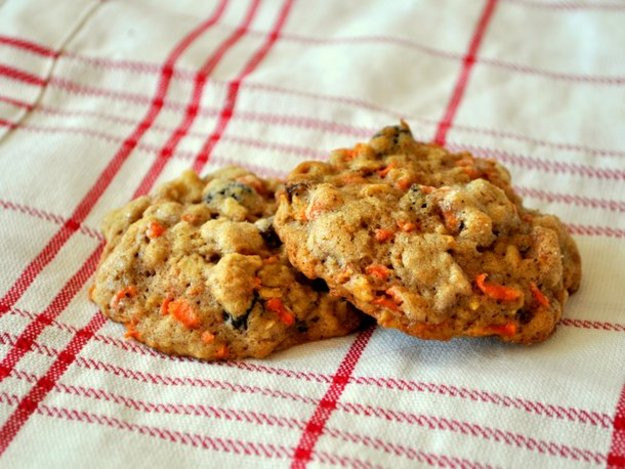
(434, 243)
(197, 270)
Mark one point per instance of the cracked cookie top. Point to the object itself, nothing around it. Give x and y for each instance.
(197, 269)
(434, 243)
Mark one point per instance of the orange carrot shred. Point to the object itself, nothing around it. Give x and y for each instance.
(207, 337)
(188, 217)
(183, 312)
(222, 352)
(384, 171)
(386, 303)
(270, 260)
(496, 292)
(131, 331)
(427, 189)
(127, 292)
(407, 226)
(383, 234)
(277, 306)
(470, 171)
(378, 271)
(538, 295)
(257, 282)
(165, 306)
(155, 230)
(506, 330)
(451, 220)
(404, 184)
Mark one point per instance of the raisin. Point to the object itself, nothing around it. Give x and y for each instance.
(524, 316)
(319, 285)
(301, 326)
(270, 237)
(240, 322)
(231, 189)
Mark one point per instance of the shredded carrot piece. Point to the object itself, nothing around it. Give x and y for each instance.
(496, 292)
(470, 171)
(506, 330)
(270, 260)
(407, 226)
(155, 230)
(131, 331)
(349, 153)
(378, 270)
(165, 306)
(451, 220)
(538, 295)
(467, 163)
(127, 292)
(386, 303)
(207, 337)
(384, 171)
(404, 184)
(277, 306)
(183, 312)
(188, 217)
(427, 189)
(383, 235)
(222, 352)
(257, 282)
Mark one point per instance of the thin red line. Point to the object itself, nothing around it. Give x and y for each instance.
(467, 64)
(28, 405)
(28, 46)
(47, 216)
(569, 5)
(616, 457)
(45, 318)
(16, 102)
(527, 162)
(233, 89)
(21, 75)
(193, 107)
(319, 418)
(572, 414)
(6, 123)
(72, 87)
(79, 214)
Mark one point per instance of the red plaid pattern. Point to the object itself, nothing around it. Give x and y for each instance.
(100, 100)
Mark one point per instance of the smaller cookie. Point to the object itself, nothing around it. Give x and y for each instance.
(197, 270)
(436, 244)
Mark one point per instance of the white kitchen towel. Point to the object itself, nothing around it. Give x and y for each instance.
(101, 100)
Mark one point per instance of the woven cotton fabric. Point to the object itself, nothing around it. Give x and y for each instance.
(102, 100)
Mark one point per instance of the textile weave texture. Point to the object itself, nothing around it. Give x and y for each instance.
(102, 100)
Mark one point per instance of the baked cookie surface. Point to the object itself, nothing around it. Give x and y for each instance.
(197, 270)
(433, 243)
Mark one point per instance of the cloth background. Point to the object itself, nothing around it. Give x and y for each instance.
(100, 100)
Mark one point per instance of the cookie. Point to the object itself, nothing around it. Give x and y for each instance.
(198, 270)
(434, 243)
